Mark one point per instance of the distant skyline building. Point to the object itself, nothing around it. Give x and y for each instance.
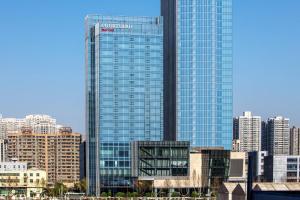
(264, 136)
(278, 136)
(39, 123)
(295, 141)
(236, 145)
(198, 72)
(124, 94)
(235, 126)
(10, 125)
(42, 124)
(249, 132)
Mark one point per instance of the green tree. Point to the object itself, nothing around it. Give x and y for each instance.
(76, 187)
(32, 194)
(59, 189)
(79, 186)
(47, 192)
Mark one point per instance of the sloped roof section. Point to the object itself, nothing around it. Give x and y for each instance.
(227, 187)
(276, 187)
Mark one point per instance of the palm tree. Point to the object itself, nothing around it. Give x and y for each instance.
(83, 185)
(43, 182)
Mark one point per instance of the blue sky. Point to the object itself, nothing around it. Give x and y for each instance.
(42, 56)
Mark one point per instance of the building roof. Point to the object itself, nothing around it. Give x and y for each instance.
(240, 189)
(228, 187)
(276, 187)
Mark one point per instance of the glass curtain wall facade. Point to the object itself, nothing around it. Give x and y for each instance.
(160, 159)
(216, 167)
(198, 71)
(124, 93)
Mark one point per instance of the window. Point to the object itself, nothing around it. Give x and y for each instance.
(292, 166)
(292, 160)
(291, 174)
(31, 174)
(123, 153)
(37, 174)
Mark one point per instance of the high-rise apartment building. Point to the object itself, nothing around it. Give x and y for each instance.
(198, 71)
(278, 136)
(295, 141)
(235, 127)
(3, 150)
(249, 131)
(39, 124)
(264, 136)
(56, 153)
(10, 125)
(124, 94)
(42, 124)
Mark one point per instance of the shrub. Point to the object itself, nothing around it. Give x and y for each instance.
(128, 194)
(104, 194)
(175, 194)
(195, 194)
(149, 194)
(120, 194)
(134, 194)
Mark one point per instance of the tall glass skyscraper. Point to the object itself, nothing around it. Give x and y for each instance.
(198, 71)
(124, 94)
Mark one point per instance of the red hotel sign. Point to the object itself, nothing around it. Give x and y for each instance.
(107, 29)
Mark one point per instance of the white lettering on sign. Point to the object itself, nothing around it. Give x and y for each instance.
(122, 26)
